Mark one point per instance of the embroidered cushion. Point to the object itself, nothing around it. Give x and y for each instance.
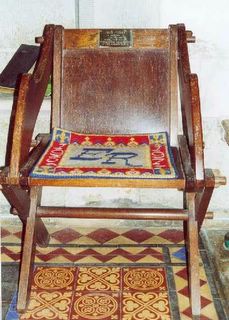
(137, 156)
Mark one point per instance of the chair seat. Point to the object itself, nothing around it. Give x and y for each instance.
(116, 160)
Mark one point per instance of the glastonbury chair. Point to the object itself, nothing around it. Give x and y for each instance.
(114, 123)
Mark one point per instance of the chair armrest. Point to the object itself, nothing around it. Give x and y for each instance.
(190, 107)
(214, 179)
(27, 106)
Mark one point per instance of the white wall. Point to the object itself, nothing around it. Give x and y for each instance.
(22, 20)
(209, 20)
(115, 14)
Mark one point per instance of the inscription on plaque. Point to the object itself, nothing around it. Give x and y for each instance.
(115, 38)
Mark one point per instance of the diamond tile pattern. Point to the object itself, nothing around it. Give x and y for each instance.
(174, 237)
(4, 233)
(66, 235)
(102, 235)
(138, 235)
(92, 236)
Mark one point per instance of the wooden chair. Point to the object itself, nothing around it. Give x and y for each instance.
(110, 82)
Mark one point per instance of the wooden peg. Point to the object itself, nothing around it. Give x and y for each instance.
(14, 211)
(190, 37)
(219, 179)
(39, 40)
(209, 215)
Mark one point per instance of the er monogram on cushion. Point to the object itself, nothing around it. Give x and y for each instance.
(138, 156)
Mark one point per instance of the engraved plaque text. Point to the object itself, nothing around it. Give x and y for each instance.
(115, 38)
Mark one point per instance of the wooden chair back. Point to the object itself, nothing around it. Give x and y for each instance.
(104, 85)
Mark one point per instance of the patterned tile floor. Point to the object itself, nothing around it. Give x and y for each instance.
(108, 274)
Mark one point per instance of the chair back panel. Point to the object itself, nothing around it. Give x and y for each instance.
(130, 89)
(115, 91)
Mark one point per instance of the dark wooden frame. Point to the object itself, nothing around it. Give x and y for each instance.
(24, 193)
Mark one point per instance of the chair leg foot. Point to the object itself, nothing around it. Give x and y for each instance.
(27, 254)
(26, 266)
(193, 257)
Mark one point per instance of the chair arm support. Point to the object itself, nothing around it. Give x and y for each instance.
(191, 179)
(185, 157)
(34, 155)
(186, 161)
(39, 139)
(30, 96)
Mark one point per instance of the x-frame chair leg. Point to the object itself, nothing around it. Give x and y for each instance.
(193, 255)
(28, 251)
(202, 201)
(20, 200)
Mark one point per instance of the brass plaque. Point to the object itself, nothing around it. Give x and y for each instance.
(115, 38)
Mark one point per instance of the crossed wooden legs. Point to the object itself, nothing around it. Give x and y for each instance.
(30, 242)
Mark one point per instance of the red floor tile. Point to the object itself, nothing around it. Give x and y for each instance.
(102, 235)
(174, 236)
(138, 235)
(66, 235)
(4, 233)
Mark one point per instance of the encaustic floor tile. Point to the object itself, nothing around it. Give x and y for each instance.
(145, 305)
(45, 305)
(111, 293)
(109, 274)
(144, 279)
(54, 278)
(108, 293)
(96, 305)
(98, 279)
